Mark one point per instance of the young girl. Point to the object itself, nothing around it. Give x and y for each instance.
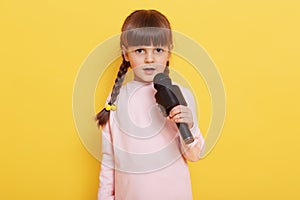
(143, 155)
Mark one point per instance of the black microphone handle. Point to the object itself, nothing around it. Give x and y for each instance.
(185, 133)
(168, 99)
(184, 130)
(169, 96)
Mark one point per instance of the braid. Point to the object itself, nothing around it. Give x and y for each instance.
(103, 116)
(119, 80)
(167, 70)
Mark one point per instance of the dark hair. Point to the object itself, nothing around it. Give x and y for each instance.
(142, 27)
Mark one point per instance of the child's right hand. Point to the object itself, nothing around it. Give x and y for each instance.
(181, 114)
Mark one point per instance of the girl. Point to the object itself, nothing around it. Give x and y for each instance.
(143, 155)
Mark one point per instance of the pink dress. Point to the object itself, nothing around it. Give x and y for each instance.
(143, 156)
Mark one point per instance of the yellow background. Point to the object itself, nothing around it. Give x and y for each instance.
(255, 45)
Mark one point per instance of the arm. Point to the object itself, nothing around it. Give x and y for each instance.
(193, 151)
(187, 114)
(106, 178)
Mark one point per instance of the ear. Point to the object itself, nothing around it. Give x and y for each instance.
(124, 52)
(169, 55)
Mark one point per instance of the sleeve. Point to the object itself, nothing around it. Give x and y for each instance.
(106, 178)
(193, 151)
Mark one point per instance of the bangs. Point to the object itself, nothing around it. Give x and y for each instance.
(147, 36)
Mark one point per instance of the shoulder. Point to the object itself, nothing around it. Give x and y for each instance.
(187, 93)
(132, 88)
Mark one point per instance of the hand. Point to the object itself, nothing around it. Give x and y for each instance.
(181, 114)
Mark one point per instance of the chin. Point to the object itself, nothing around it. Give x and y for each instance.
(145, 80)
(148, 80)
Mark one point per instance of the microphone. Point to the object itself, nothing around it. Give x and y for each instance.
(168, 96)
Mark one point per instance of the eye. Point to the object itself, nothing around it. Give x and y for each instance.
(139, 51)
(159, 50)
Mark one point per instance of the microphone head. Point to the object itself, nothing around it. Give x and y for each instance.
(162, 79)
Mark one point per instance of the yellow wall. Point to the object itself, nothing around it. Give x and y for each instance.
(255, 45)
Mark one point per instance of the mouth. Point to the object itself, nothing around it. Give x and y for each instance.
(149, 70)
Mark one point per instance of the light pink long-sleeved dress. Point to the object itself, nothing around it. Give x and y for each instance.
(143, 156)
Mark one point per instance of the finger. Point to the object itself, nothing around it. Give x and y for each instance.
(186, 115)
(177, 110)
(185, 120)
(182, 115)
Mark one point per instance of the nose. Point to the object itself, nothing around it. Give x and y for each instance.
(149, 58)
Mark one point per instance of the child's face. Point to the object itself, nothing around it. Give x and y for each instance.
(146, 61)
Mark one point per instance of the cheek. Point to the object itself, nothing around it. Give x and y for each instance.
(136, 62)
(163, 61)
(162, 69)
(166, 58)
